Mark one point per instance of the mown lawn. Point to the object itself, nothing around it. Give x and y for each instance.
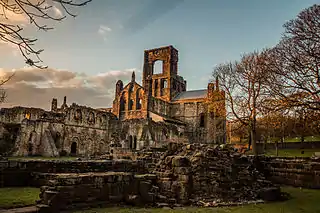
(292, 152)
(18, 197)
(306, 139)
(314, 138)
(303, 201)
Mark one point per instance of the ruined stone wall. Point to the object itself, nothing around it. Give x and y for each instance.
(76, 130)
(298, 172)
(17, 114)
(160, 107)
(36, 172)
(190, 113)
(137, 134)
(53, 138)
(8, 136)
(35, 138)
(289, 145)
(72, 191)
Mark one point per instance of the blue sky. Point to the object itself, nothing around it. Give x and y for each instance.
(206, 33)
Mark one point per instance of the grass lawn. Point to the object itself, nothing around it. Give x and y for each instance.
(42, 158)
(18, 197)
(303, 201)
(306, 139)
(292, 152)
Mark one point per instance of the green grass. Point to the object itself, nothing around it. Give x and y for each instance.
(18, 197)
(292, 152)
(306, 139)
(41, 158)
(303, 201)
(315, 138)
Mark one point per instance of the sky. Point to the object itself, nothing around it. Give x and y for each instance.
(86, 55)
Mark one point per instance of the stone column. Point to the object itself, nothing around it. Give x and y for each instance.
(182, 186)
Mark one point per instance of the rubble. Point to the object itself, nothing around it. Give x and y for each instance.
(203, 174)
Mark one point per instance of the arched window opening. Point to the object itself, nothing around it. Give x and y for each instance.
(138, 99)
(30, 149)
(57, 140)
(131, 89)
(139, 103)
(27, 116)
(158, 67)
(134, 142)
(165, 133)
(122, 103)
(202, 120)
(103, 119)
(163, 86)
(73, 148)
(155, 93)
(130, 104)
(165, 83)
(130, 142)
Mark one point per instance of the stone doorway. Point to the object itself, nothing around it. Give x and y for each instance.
(134, 142)
(73, 151)
(30, 149)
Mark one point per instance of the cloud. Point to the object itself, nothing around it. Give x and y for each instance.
(57, 11)
(150, 12)
(11, 17)
(104, 30)
(35, 88)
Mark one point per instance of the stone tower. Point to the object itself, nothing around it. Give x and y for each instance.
(168, 83)
(54, 105)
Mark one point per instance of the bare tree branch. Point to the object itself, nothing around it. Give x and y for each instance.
(245, 87)
(295, 62)
(34, 11)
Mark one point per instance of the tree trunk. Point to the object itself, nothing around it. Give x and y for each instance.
(249, 138)
(253, 141)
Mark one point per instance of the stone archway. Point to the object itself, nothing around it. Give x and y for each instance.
(30, 149)
(135, 142)
(130, 142)
(73, 149)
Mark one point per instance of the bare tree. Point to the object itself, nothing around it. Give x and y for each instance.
(295, 62)
(3, 93)
(35, 11)
(243, 83)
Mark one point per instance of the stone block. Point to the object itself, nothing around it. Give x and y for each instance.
(182, 170)
(180, 161)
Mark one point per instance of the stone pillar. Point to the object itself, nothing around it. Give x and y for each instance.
(182, 186)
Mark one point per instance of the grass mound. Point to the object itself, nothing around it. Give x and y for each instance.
(18, 197)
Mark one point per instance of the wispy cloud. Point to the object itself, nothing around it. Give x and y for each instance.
(35, 87)
(104, 30)
(57, 11)
(150, 12)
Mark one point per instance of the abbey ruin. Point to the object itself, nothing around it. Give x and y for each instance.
(159, 111)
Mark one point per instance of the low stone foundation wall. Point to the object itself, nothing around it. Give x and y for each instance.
(289, 145)
(23, 172)
(69, 191)
(298, 172)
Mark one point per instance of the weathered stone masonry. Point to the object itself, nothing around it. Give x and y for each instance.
(148, 115)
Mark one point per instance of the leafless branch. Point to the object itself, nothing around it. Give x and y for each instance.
(34, 11)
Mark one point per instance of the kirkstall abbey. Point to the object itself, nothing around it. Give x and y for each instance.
(144, 115)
